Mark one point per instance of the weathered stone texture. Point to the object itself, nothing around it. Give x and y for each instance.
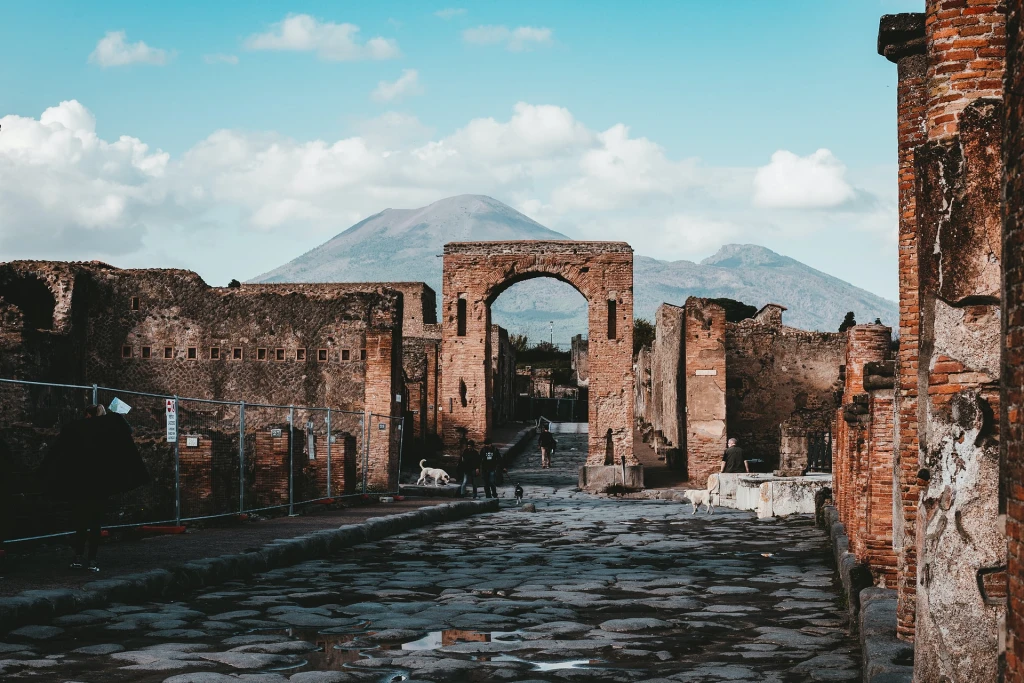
(476, 273)
(704, 387)
(668, 401)
(1012, 403)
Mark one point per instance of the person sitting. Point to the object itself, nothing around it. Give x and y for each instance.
(733, 461)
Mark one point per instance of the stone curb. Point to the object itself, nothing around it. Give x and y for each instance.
(40, 606)
(873, 610)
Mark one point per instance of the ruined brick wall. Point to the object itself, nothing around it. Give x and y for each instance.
(643, 387)
(668, 400)
(704, 387)
(957, 194)
(901, 39)
(1013, 333)
(476, 273)
(503, 376)
(580, 360)
(778, 375)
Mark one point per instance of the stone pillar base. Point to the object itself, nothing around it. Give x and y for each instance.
(597, 478)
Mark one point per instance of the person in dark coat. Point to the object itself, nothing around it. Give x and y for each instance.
(490, 464)
(733, 461)
(547, 447)
(93, 458)
(468, 467)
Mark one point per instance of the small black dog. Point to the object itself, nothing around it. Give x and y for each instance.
(519, 494)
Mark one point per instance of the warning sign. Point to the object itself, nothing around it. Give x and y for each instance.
(172, 421)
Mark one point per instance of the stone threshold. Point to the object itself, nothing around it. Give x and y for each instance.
(872, 610)
(40, 606)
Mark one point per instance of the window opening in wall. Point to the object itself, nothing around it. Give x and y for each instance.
(126, 352)
(236, 353)
(300, 354)
(215, 353)
(611, 318)
(147, 352)
(345, 355)
(279, 354)
(135, 303)
(461, 313)
(192, 353)
(261, 354)
(362, 354)
(168, 352)
(321, 355)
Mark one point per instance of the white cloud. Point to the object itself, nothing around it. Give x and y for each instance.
(330, 41)
(220, 59)
(112, 50)
(450, 12)
(515, 40)
(408, 84)
(67, 193)
(816, 181)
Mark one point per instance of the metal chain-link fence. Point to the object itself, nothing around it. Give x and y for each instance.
(222, 458)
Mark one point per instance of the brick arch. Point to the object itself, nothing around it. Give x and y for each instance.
(477, 273)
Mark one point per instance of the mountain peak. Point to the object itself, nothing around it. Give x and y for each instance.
(745, 255)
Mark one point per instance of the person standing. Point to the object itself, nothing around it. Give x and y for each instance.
(93, 459)
(469, 467)
(547, 447)
(490, 463)
(733, 460)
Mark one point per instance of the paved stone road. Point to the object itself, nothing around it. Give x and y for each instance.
(583, 589)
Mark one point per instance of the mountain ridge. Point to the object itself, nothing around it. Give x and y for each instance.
(403, 245)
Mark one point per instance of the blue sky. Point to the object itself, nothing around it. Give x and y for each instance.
(714, 89)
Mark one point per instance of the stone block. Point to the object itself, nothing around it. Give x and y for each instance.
(598, 478)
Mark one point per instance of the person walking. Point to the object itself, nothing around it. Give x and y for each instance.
(468, 467)
(547, 447)
(733, 460)
(490, 463)
(93, 459)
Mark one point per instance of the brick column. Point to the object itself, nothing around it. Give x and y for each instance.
(704, 387)
(1013, 336)
(901, 39)
(383, 384)
(961, 544)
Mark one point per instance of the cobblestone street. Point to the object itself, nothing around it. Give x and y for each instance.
(583, 589)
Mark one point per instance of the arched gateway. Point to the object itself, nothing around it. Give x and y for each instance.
(476, 273)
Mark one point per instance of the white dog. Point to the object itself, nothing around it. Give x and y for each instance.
(439, 475)
(704, 496)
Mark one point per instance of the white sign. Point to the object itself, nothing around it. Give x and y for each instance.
(119, 406)
(275, 433)
(192, 441)
(381, 426)
(172, 422)
(706, 373)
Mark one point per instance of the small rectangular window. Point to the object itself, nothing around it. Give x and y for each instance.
(362, 354)
(214, 353)
(611, 318)
(321, 355)
(345, 354)
(300, 354)
(135, 303)
(126, 352)
(192, 353)
(147, 352)
(236, 354)
(461, 313)
(279, 354)
(261, 354)
(168, 352)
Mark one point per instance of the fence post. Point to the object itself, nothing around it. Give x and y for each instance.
(291, 461)
(96, 394)
(177, 466)
(241, 457)
(401, 441)
(328, 452)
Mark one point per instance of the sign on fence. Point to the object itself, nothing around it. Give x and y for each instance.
(172, 421)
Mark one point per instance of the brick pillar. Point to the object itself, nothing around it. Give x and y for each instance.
(901, 39)
(961, 544)
(1013, 335)
(383, 384)
(704, 386)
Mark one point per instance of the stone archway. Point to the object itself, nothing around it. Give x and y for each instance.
(476, 273)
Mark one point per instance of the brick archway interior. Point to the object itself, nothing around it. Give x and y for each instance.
(476, 273)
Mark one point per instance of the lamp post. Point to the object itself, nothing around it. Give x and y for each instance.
(551, 338)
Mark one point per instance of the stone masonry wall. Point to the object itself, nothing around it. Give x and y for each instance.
(668, 401)
(961, 547)
(476, 273)
(704, 387)
(1012, 402)
(901, 39)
